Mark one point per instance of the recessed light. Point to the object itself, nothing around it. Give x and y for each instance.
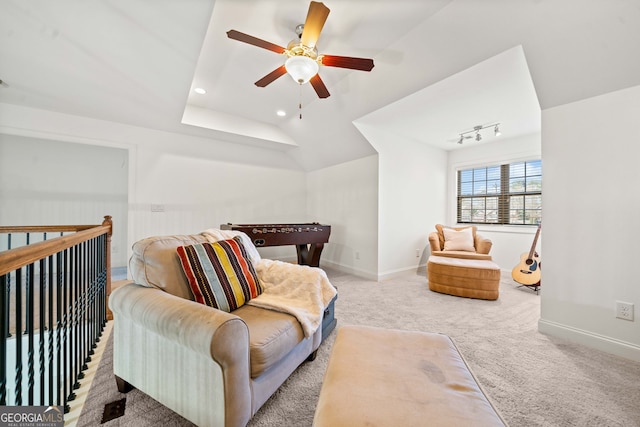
(281, 113)
(200, 91)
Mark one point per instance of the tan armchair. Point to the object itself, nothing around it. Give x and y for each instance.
(215, 368)
(463, 242)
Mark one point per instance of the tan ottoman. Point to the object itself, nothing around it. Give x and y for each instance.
(384, 377)
(472, 278)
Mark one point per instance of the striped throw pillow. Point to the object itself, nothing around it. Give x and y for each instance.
(220, 274)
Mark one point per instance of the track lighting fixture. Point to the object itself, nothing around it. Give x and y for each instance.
(478, 135)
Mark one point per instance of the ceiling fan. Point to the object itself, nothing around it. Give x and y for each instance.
(303, 60)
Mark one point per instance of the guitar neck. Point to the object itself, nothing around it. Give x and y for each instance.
(535, 242)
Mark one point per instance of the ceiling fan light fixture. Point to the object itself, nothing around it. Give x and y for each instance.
(301, 68)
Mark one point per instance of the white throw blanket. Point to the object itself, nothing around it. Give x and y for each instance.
(299, 290)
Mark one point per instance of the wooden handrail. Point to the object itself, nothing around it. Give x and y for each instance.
(14, 259)
(43, 228)
(78, 287)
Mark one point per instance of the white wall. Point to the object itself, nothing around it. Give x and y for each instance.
(590, 154)
(200, 182)
(412, 199)
(59, 183)
(200, 193)
(345, 196)
(509, 242)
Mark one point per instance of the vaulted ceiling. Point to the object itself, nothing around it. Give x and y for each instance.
(441, 66)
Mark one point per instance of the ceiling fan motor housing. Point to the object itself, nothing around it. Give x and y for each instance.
(296, 48)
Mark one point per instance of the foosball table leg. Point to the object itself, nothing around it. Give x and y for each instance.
(310, 254)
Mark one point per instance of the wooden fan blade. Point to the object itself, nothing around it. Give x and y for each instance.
(246, 38)
(280, 71)
(319, 87)
(362, 64)
(316, 18)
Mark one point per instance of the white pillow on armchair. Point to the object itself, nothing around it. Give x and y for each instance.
(458, 240)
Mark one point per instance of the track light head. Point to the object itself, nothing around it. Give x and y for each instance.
(478, 135)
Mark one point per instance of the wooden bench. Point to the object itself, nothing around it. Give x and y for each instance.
(383, 377)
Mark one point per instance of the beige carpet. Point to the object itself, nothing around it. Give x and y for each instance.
(533, 379)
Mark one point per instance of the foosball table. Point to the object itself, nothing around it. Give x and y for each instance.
(309, 240)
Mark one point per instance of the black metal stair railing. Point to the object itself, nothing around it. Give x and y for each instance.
(53, 296)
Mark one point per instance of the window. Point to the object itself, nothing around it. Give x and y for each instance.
(501, 194)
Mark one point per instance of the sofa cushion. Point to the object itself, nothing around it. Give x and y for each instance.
(458, 240)
(215, 234)
(220, 273)
(440, 229)
(462, 254)
(272, 335)
(154, 263)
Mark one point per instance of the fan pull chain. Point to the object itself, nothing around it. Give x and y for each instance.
(300, 103)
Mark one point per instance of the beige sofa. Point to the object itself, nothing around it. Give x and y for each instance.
(212, 367)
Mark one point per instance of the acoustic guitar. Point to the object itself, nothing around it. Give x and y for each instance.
(527, 272)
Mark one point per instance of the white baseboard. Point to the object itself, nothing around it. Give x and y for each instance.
(600, 342)
(335, 266)
(371, 275)
(349, 270)
(401, 271)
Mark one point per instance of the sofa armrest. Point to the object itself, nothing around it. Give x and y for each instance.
(434, 242)
(170, 316)
(483, 245)
(186, 335)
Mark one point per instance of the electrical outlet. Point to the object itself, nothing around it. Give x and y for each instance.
(357, 255)
(157, 208)
(417, 253)
(624, 310)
